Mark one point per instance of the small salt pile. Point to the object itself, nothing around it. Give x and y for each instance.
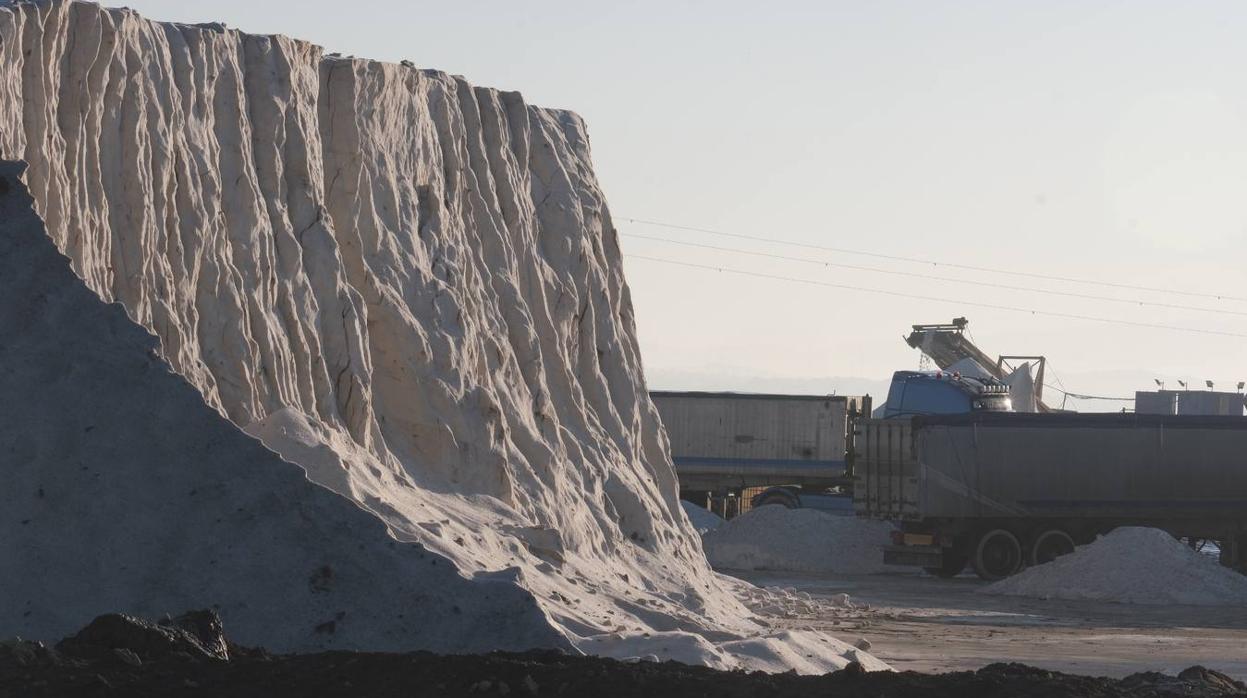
(798, 540)
(702, 519)
(1131, 565)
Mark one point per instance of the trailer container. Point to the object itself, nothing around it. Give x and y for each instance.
(1002, 490)
(723, 444)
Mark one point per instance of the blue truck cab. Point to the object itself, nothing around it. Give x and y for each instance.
(940, 392)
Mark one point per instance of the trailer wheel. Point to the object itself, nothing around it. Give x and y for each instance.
(777, 495)
(997, 555)
(1050, 545)
(953, 564)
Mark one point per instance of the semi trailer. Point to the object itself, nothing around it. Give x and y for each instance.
(1001, 490)
(794, 450)
(724, 445)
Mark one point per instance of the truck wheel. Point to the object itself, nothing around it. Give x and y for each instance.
(1050, 545)
(777, 495)
(998, 555)
(952, 566)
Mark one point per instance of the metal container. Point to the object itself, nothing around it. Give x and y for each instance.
(746, 439)
(1156, 402)
(1208, 402)
(1143, 469)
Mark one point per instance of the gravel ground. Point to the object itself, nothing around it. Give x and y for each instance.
(926, 624)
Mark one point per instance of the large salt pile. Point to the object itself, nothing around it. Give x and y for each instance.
(798, 540)
(124, 490)
(1131, 565)
(405, 284)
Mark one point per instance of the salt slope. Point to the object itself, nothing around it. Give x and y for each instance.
(124, 490)
(1131, 565)
(411, 283)
(798, 540)
(702, 519)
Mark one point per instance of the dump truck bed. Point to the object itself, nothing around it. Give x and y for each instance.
(1007, 465)
(747, 439)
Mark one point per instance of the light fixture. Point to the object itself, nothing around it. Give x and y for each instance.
(1159, 383)
(1209, 384)
(1241, 385)
(1183, 384)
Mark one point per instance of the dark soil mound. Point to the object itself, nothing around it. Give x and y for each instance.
(117, 655)
(198, 635)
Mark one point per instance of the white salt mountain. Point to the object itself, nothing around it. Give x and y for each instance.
(409, 286)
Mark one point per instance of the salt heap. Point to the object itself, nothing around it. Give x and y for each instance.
(798, 540)
(124, 490)
(1131, 565)
(405, 285)
(701, 519)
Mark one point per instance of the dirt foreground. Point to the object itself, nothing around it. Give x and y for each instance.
(190, 656)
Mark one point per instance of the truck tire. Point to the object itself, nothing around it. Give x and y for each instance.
(1050, 545)
(997, 555)
(777, 495)
(954, 563)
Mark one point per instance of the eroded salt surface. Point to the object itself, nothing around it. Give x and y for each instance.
(1131, 565)
(405, 284)
(798, 540)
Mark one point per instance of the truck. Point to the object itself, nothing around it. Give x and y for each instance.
(724, 444)
(794, 450)
(1002, 490)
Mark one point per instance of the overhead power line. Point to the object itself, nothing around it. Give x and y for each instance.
(951, 265)
(933, 277)
(1079, 396)
(901, 294)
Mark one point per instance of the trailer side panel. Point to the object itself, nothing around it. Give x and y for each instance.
(748, 439)
(1144, 467)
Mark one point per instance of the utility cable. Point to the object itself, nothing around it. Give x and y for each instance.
(1055, 377)
(951, 265)
(932, 277)
(1078, 396)
(900, 294)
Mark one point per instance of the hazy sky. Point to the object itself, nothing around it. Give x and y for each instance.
(1104, 140)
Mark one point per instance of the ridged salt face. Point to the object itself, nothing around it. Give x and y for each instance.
(407, 285)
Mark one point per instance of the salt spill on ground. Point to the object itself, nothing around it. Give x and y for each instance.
(789, 602)
(701, 519)
(803, 651)
(1131, 565)
(798, 540)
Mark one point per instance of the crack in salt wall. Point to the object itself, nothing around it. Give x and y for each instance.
(408, 285)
